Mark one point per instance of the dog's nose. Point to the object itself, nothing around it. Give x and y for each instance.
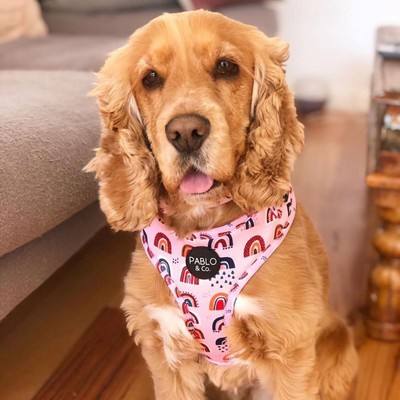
(187, 132)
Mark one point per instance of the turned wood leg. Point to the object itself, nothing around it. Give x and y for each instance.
(384, 284)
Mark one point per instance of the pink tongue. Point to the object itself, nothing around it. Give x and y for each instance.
(196, 182)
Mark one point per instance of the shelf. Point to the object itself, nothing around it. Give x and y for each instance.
(377, 180)
(389, 98)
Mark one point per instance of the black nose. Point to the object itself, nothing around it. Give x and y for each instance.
(187, 132)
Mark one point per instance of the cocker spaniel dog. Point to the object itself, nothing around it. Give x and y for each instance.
(228, 285)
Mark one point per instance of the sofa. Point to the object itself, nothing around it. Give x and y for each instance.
(48, 130)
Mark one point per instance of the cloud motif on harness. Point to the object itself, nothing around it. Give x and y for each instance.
(222, 344)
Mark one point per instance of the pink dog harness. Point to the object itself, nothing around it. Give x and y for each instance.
(207, 270)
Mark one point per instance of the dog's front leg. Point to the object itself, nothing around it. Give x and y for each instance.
(171, 354)
(292, 377)
(180, 382)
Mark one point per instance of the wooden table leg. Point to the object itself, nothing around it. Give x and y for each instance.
(383, 311)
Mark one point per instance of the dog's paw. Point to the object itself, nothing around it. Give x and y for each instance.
(178, 343)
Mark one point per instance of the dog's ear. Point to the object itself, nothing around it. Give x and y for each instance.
(124, 165)
(275, 135)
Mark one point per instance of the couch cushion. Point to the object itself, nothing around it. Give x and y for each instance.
(26, 268)
(47, 132)
(121, 24)
(102, 5)
(86, 53)
(124, 24)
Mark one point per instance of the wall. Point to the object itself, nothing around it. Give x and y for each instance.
(333, 40)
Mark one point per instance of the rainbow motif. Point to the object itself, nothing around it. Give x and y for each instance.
(205, 236)
(225, 241)
(189, 324)
(167, 279)
(163, 243)
(187, 277)
(144, 237)
(190, 300)
(286, 225)
(250, 223)
(218, 324)
(241, 226)
(255, 245)
(194, 317)
(245, 273)
(205, 348)
(272, 214)
(191, 237)
(163, 265)
(149, 252)
(218, 301)
(185, 249)
(197, 334)
(278, 232)
(289, 205)
(185, 309)
(227, 263)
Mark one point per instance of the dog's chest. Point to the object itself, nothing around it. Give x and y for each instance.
(206, 271)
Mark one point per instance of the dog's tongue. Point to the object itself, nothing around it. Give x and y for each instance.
(196, 182)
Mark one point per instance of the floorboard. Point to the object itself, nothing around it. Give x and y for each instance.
(38, 334)
(105, 364)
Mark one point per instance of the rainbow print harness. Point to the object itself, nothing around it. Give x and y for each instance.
(207, 270)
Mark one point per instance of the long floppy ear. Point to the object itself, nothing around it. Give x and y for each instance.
(124, 166)
(275, 135)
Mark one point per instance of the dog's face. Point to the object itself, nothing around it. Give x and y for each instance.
(193, 90)
(194, 107)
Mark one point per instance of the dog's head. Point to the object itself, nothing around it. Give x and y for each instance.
(194, 107)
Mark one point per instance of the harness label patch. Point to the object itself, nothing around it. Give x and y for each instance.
(203, 262)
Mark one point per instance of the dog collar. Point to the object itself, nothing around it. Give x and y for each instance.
(164, 205)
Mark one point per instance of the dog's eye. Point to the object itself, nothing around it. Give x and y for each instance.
(225, 68)
(152, 80)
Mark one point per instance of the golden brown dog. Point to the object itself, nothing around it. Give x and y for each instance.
(223, 80)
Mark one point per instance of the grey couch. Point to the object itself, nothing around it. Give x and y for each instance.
(48, 128)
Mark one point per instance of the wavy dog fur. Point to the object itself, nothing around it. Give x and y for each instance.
(288, 341)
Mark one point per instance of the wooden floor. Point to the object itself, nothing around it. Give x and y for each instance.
(43, 330)
(40, 332)
(329, 180)
(106, 365)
